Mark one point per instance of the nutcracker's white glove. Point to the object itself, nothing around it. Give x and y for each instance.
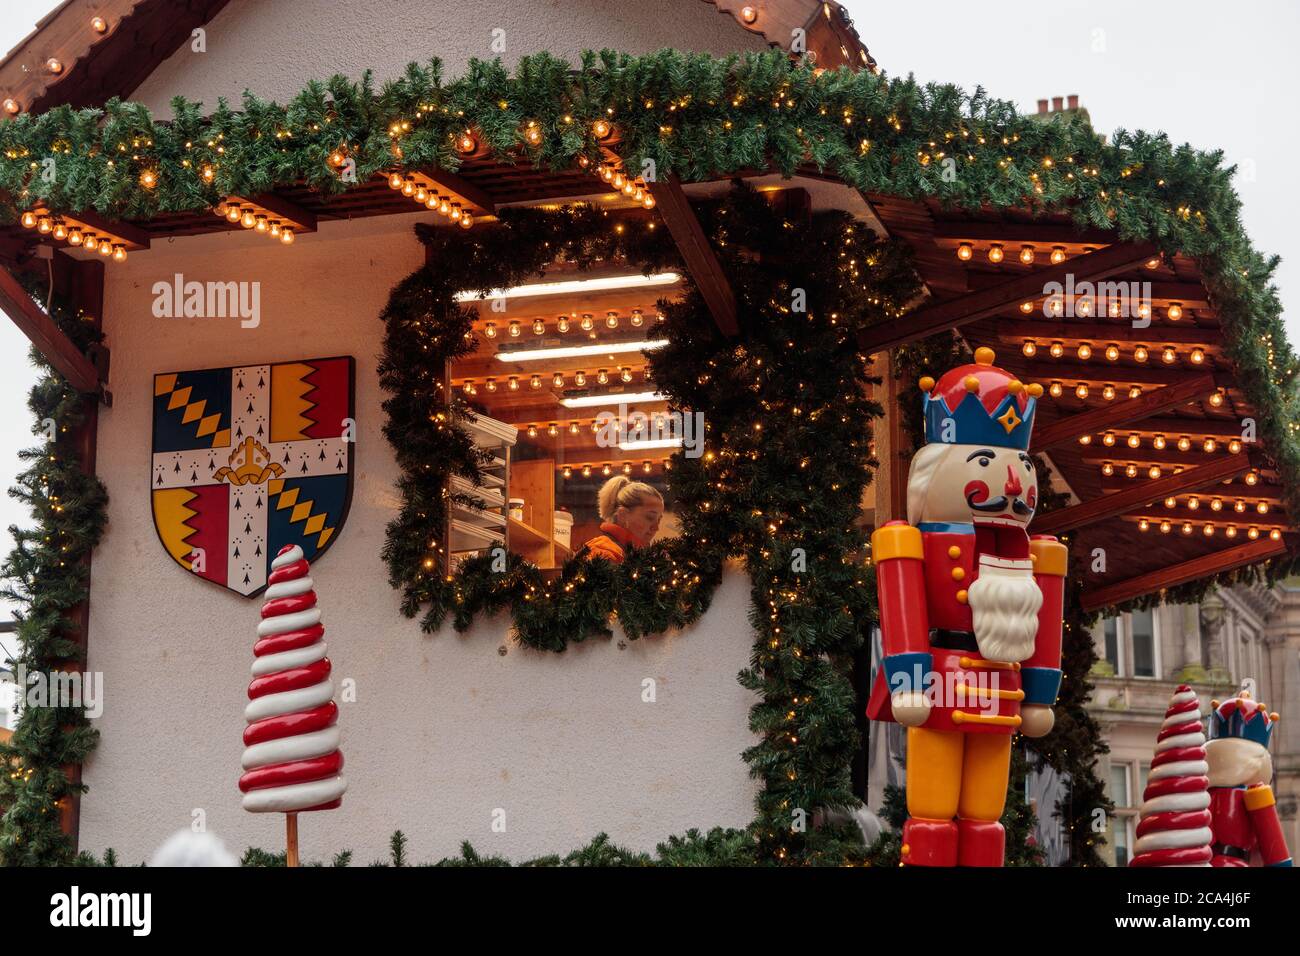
(1036, 720)
(911, 708)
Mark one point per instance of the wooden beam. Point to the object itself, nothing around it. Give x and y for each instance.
(890, 480)
(301, 219)
(1100, 334)
(48, 338)
(1190, 295)
(1276, 517)
(1195, 427)
(1141, 494)
(700, 259)
(1153, 374)
(1018, 233)
(461, 187)
(80, 284)
(1251, 552)
(1230, 489)
(133, 237)
(953, 313)
(1122, 412)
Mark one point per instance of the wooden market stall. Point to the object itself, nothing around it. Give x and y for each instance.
(1175, 474)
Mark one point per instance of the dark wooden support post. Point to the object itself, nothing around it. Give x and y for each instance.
(890, 480)
(1140, 494)
(80, 284)
(1204, 566)
(1123, 412)
(700, 259)
(982, 304)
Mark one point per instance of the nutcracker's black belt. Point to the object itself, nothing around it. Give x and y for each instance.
(953, 640)
(1222, 849)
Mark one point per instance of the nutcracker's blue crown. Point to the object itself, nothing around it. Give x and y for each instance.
(980, 404)
(1242, 717)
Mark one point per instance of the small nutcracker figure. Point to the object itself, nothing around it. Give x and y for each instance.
(970, 613)
(1244, 814)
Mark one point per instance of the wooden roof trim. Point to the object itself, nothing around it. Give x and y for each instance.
(827, 26)
(48, 338)
(138, 36)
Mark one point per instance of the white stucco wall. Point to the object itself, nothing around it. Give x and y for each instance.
(445, 730)
(273, 49)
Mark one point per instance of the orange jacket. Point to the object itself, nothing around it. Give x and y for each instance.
(613, 544)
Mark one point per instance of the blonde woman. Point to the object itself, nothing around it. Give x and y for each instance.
(630, 513)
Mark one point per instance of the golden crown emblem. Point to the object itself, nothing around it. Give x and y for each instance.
(252, 465)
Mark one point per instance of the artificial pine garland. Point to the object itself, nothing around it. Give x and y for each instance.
(787, 439)
(46, 576)
(700, 117)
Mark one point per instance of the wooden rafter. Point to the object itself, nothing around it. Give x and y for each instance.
(1204, 566)
(462, 187)
(279, 208)
(696, 252)
(1122, 412)
(48, 338)
(984, 303)
(1100, 333)
(1153, 373)
(1142, 493)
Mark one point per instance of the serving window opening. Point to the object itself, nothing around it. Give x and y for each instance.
(561, 385)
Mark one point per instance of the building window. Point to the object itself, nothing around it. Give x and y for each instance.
(1110, 628)
(1124, 822)
(1142, 634)
(1130, 645)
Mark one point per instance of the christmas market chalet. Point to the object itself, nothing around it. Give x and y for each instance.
(397, 292)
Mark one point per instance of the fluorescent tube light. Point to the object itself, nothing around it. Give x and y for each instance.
(573, 286)
(650, 443)
(577, 351)
(611, 398)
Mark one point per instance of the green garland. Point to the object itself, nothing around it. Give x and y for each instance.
(46, 576)
(786, 463)
(700, 117)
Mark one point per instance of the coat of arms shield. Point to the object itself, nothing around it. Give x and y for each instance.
(249, 459)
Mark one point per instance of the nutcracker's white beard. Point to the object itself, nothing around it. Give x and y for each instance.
(1004, 603)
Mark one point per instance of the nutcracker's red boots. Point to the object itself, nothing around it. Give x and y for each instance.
(952, 843)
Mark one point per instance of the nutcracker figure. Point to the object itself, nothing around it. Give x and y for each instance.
(1243, 812)
(970, 613)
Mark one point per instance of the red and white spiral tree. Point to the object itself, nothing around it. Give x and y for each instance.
(292, 760)
(1174, 828)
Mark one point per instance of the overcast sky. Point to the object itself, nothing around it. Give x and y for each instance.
(1220, 76)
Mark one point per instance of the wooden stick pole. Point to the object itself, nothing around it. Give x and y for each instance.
(291, 832)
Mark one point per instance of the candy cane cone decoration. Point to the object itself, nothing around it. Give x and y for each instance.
(291, 754)
(1174, 829)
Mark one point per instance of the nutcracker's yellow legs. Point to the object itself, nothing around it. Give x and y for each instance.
(950, 774)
